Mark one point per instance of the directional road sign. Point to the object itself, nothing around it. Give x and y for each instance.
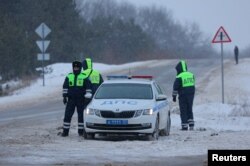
(40, 57)
(43, 45)
(43, 30)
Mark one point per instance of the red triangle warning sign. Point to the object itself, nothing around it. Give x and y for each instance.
(221, 36)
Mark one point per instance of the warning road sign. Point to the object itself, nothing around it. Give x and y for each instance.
(221, 36)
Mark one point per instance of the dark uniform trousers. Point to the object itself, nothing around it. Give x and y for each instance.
(186, 105)
(77, 103)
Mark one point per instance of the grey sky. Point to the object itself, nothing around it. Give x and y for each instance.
(233, 15)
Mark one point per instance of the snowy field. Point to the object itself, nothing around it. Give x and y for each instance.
(53, 83)
(218, 126)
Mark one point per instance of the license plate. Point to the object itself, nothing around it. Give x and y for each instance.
(117, 122)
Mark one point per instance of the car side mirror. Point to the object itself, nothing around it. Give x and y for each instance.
(161, 97)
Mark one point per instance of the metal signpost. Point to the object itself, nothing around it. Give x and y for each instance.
(221, 36)
(43, 30)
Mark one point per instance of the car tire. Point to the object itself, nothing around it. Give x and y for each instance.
(90, 136)
(155, 135)
(168, 126)
(166, 130)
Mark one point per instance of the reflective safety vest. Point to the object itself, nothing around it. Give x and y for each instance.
(79, 81)
(187, 79)
(89, 63)
(94, 76)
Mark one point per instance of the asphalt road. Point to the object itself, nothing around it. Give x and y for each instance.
(49, 111)
(163, 74)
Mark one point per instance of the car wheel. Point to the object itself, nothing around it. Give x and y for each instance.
(166, 130)
(155, 135)
(89, 136)
(168, 126)
(92, 136)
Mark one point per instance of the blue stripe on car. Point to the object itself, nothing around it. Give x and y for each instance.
(160, 106)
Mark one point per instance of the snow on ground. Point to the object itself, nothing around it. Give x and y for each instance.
(218, 126)
(53, 83)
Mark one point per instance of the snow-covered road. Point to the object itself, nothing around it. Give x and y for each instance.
(218, 126)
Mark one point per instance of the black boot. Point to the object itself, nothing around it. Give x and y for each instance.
(80, 132)
(65, 133)
(85, 134)
(184, 129)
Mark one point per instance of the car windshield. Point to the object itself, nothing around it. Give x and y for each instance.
(124, 91)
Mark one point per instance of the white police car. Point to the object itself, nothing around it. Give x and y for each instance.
(128, 106)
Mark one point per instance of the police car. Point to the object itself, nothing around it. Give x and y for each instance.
(128, 105)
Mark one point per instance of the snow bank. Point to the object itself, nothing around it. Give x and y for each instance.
(54, 77)
(218, 126)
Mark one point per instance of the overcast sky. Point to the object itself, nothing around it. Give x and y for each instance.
(233, 15)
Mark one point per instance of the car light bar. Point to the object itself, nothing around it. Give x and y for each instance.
(143, 77)
(117, 77)
(129, 77)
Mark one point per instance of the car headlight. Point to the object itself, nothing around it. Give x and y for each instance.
(148, 112)
(90, 111)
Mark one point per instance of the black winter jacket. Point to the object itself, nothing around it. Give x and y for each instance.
(73, 92)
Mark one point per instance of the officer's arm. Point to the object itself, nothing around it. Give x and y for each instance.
(88, 87)
(65, 87)
(87, 84)
(101, 79)
(194, 79)
(176, 87)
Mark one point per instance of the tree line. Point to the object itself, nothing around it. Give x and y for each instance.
(105, 30)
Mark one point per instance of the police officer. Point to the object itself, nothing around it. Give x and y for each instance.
(94, 76)
(74, 89)
(184, 87)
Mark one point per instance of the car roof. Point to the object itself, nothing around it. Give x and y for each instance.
(136, 81)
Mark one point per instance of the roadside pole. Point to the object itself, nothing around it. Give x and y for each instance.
(43, 30)
(221, 37)
(43, 55)
(222, 72)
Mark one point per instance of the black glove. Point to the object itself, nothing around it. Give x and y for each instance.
(174, 98)
(65, 100)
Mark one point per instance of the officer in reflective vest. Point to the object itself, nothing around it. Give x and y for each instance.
(94, 77)
(74, 90)
(184, 87)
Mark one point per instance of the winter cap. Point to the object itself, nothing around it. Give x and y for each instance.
(77, 64)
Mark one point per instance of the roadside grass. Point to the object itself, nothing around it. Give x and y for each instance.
(10, 87)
